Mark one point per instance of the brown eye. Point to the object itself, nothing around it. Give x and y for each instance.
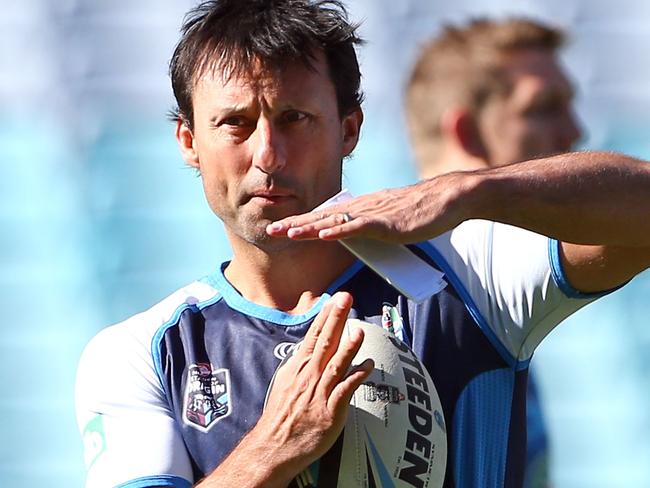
(293, 116)
(233, 121)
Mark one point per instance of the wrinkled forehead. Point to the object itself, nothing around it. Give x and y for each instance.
(290, 83)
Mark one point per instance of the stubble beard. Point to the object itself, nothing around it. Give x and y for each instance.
(252, 230)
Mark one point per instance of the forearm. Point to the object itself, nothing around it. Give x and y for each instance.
(584, 198)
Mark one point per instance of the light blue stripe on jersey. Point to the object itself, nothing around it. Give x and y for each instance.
(157, 480)
(481, 428)
(156, 341)
(239, 303)
(471, 306)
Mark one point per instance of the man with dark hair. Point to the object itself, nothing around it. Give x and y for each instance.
(486, 94)
(268, 106)
(234, 37)
(183, 401)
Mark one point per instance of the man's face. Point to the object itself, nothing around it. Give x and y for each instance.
(536, 117)
(268, 145)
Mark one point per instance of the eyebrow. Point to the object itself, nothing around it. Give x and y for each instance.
(228, 110)
(239, 108)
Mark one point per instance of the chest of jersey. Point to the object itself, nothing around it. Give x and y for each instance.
(218, 362)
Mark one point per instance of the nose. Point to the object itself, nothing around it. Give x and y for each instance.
(269, 152)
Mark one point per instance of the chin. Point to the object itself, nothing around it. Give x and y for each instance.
(270, 244)
(254, 233)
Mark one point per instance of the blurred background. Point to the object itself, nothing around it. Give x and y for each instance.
(99, 218)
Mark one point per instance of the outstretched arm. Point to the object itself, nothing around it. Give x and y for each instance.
(597, 204)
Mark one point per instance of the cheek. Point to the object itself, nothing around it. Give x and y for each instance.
(540, 137)
(329, 164)
(318, 155)
(220, 181)
(215, 193)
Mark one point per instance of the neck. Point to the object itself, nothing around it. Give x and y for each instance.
(291, 279)
(447, 159)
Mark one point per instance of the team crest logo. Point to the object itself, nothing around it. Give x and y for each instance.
(207, 396)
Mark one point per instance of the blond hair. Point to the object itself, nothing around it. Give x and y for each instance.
(463, 67)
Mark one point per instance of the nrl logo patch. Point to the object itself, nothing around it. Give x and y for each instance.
(207, 396)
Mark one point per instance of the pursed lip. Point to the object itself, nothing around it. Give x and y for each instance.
(271, 196)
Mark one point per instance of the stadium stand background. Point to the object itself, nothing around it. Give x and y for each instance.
(100, 219)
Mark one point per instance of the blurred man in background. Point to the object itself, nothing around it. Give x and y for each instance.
(487, 94)
(490, 94)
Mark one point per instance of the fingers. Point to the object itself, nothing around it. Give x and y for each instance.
(311, 338)
(337, 226)
(307, 226)
(327, 356)
(324, 334)
(343, 391)
(321, 225)
(337, 368)
(329, 337)
(282, 227)
(312, 230)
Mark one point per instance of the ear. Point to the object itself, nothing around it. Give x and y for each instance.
(351, 130)
(460, 126)
(185, 140)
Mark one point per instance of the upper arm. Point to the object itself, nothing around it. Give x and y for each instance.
(596, 268)
(130, 435)
(518, 287)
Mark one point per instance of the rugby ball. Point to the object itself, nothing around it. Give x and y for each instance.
(395, 432)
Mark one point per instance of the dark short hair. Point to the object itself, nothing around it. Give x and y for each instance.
(233, 35)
